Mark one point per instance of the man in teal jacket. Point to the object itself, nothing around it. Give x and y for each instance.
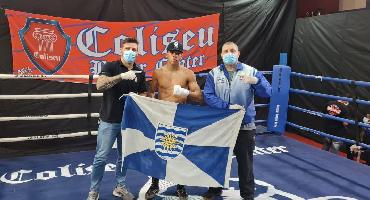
(232, 85)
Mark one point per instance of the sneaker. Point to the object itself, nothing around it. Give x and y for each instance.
(93, 195)
(152, 191)
(212, 193)
(122, 192)
(181, 192)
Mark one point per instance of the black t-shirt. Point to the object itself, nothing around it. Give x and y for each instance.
(334, 127)
(112, 107)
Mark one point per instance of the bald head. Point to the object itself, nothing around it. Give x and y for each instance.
(227, 44)
(230, 48)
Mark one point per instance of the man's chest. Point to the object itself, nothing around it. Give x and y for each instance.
(168, 80)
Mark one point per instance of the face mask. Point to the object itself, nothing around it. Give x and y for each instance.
(230, 59)
(365, 120)
(129, 56)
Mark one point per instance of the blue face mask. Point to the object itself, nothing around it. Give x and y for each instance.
(230, 59)
(129, 56)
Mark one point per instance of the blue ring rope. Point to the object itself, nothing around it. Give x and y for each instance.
(322, 115)
(292, 90)
(206, 74)
(326, 135)
(260, 105)
(338, 80)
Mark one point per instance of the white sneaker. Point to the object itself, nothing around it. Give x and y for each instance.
(93, 195)
(122, 192)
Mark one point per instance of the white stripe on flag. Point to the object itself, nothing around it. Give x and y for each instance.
(138, 142)
(189, 174)
(146, 104)
(218, 133)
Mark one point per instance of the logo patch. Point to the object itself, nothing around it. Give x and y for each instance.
(220, 80)
(169, 141)
(46, 44)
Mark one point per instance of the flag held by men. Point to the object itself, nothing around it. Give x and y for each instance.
(181, 143)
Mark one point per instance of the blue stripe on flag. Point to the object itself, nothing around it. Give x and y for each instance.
(146, 162)
(136, 119)
(211, 160)
(162, 147)
(197, 117)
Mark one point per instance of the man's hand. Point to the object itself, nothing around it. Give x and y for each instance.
(355, 148)
(250, 79)
(179, 91)
(236, 107)
(130, 75)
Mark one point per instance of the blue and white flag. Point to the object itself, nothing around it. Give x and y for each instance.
(181, 143)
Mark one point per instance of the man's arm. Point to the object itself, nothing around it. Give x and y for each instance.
(104, 82)
(195, 94)
(142, 90)
(210, 96)
(153, 87)
(263, 87)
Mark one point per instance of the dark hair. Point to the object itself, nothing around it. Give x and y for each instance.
(130, 40)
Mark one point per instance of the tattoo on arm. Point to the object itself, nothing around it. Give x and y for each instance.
(105, 82)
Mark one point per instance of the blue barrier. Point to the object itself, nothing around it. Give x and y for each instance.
(279, 99)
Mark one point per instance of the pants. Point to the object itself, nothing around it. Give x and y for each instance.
(332, 145)
(243, 151)
(107, 134)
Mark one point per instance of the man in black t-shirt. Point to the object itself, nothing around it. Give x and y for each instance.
(116, 78)
(337, 108)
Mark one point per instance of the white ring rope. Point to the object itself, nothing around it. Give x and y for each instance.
(42, 117)
(47, 137)
(41, 76)
(49, 96)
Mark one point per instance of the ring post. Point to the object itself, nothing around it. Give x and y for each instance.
(279, 99)
(89, 90)
(283, 59)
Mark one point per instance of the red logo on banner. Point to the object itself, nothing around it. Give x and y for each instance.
(45, 43)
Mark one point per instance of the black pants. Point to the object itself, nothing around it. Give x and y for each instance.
(243, 151)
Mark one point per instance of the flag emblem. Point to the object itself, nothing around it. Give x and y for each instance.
(169, 141)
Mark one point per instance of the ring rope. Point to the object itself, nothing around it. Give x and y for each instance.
(47, 137)
(325, 134)
(42, 117)
(49, 96)
(261, 105)
(298, 91)
(42, 76)
(338, 80)
(323, 115)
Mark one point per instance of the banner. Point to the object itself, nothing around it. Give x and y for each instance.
(181, 143)
(53, 45)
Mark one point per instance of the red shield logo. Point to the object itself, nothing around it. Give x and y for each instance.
(46, 44)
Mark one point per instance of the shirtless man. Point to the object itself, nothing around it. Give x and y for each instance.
(174, 83)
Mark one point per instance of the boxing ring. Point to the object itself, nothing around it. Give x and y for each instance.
(284, 168)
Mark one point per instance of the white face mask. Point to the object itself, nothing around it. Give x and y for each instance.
(366, 120)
